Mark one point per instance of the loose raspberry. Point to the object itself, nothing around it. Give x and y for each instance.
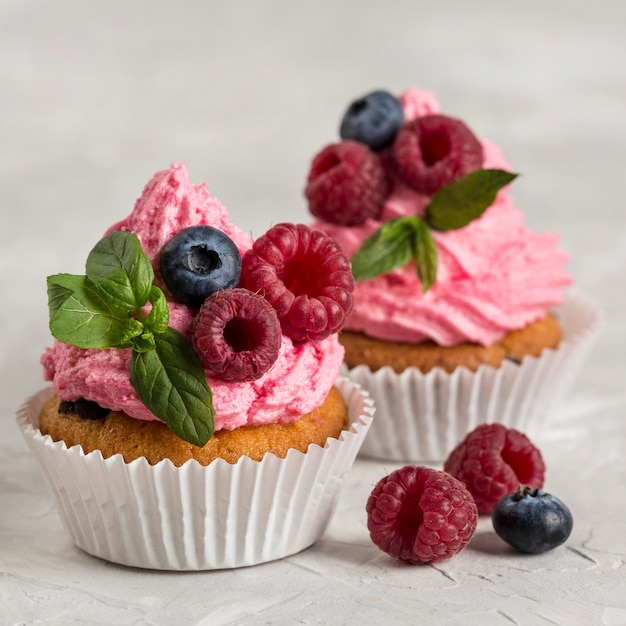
(433, 150)
(494, 460)
(305, 276)
(421, 515)
(237, 334)
(346, 184)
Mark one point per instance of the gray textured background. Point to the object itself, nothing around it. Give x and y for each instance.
(96, 96)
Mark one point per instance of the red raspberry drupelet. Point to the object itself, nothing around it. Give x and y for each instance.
(421, 515)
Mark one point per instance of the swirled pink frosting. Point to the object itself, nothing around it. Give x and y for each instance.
(494, 275)
(297, 383)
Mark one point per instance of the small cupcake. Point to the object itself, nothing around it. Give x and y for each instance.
(195, 418)
(460, 315)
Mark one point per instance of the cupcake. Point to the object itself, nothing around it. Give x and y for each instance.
(460, 312)
(193, 422)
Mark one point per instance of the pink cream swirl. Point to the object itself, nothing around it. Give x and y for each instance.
(494, 275)
(297, 383)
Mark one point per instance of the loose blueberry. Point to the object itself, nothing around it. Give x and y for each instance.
(532, 520)
(85, 409)
(373, 120)
(199, 261)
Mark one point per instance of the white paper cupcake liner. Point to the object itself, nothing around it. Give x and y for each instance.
(421, 417)
(197, 517)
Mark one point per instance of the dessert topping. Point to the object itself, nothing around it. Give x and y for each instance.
(104, 309)
(433, 150)
(532, 520)
(305, 276)
(136, 331)
(493, 460)
(346, 184)
(399, 241)
(421, 515)
(237, 334)
(373, 120)
(197, 262)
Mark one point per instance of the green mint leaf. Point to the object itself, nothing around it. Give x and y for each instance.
(80, 316)
(171, 382)
(458, 203)
(159, 317)
(144, 342)
(132, 329)
(119, 268)
(425, 256)
(390, 247)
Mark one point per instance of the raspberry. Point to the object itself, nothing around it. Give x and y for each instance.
(494, 460)
(305, 276)
(433, 150)
(237, 334)
(421, 515)
(346, 184)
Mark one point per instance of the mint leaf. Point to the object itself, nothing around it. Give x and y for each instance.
(159, 317)
(425, 255)
(132, 328)
(172, 384)
(144, 342)
(119, 268)
(390, 247)
(393, 245)
(103, 310)
(80, 316)
(457, 204)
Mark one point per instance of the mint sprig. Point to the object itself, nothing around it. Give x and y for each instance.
(399, 241)
(103, 309)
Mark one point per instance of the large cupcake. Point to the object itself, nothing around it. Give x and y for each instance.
(193, 423)
(460, 313)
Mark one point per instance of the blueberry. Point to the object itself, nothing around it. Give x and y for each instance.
(532, 520)
(373, 120)
(199, 261)
(85, 409)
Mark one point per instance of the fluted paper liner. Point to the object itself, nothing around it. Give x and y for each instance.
(197, 517)
(422, 417)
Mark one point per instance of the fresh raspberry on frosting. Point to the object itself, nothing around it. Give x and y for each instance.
(434, 150)
(346, 184)
(305, 276)
(237, 334)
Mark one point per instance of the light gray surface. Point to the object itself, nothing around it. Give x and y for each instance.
(95, 97)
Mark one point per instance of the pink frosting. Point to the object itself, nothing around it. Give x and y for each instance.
(298, 381)
(494, 275)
